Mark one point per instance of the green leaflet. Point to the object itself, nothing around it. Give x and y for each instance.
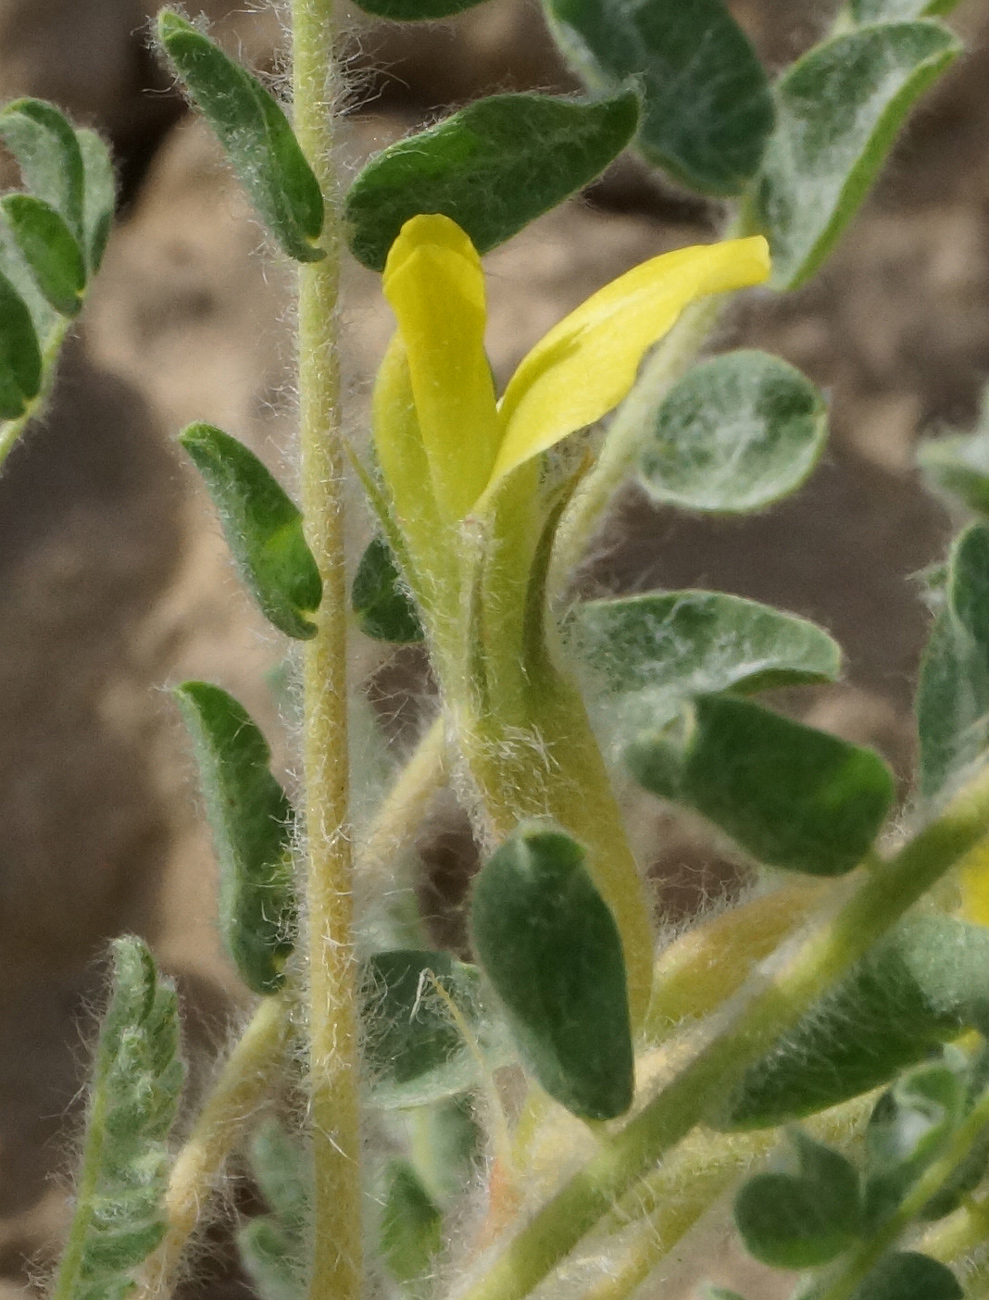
(737, 433)
(50, 249)
(252, 823)
(493, 167)
(138, 1074)
(410, 1229)
(414, 1049)
(953, 695)
(263, 528)
(907, 1275)
(20, 356)
(791, 796)
(921, 987)
(550, 947)
(649, 654)
(48, 152)
(838, 111)
(707, 106)
(385, 610)
(254, 131)
(958, 465)
(805, 1219)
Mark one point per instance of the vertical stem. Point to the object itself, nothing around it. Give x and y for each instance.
(333, 1055)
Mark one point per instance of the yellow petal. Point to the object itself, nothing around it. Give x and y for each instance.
(584, 366)
(434, 283)
(405, 469)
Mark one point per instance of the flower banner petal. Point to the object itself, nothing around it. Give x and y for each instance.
(584, 366)
(435, 285)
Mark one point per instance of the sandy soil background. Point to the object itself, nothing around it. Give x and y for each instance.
(114, 582)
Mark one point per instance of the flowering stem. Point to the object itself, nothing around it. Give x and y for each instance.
(337, 1265)
(767, 1006)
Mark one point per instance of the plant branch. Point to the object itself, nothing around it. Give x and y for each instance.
(230, 1106)
(337, 1265)
(770, 1003)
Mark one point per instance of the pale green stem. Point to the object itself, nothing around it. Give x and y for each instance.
(770, 1003)
(11, 430)
(628, 432)
(851, 1273)
(334, 1065)
(231, 1105)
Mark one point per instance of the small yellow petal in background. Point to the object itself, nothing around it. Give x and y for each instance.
(435, 285)
(974, 881)
(584, 366)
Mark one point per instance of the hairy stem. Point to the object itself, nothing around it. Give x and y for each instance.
(337, 1265)
(771, 1002)
(232, 1104)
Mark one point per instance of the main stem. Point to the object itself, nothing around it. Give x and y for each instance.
(337, 1264)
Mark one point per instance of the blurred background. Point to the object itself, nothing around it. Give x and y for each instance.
(115, 584)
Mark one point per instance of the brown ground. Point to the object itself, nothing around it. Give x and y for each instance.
(114, 582)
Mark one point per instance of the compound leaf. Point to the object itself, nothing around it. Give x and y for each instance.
(838, 111)
(550, 947)
(100, 196)
(138, 1074)
(737, 433)
(707, 107)
(493, 167)
(48, 153)
(253, 129)
(252, 823)
(263, 528)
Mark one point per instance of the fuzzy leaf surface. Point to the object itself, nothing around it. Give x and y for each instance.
(790, 795)
(255, 133)
(707, 109)
(550, 947)
(385, 610)
(649, 654)
(100, 196)
(801, 1220)
(50, 249)
(272, 1246)
(138, 1075)
(414, 1049)
(263, 528)
(737, 433)
(838, 111)
(492, 168)
(48, 153)
(921, 987)
(252, 823)
(953, 694)
(20, 355)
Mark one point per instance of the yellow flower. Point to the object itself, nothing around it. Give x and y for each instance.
(576, 374)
